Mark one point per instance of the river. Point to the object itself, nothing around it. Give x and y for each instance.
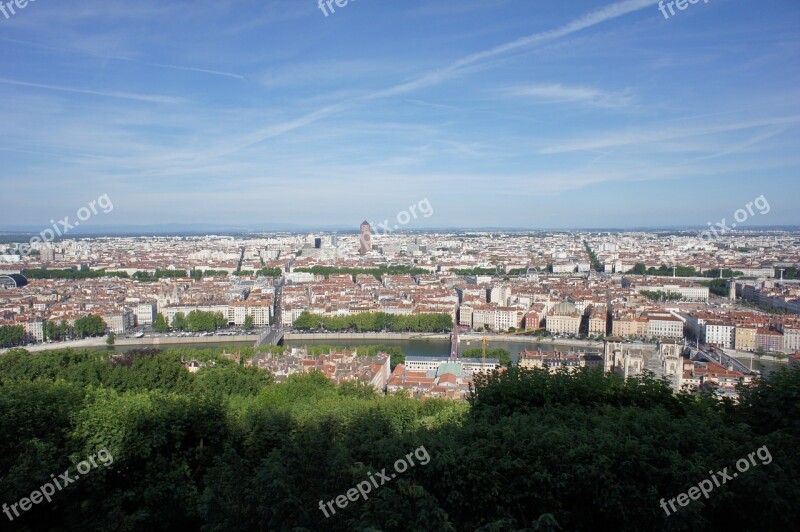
(429, 348)
(439, 348)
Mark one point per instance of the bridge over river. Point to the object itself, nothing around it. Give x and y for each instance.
(711, 354)
(272, 336)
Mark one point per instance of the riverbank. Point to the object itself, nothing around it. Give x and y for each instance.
(377, 336)
(331, 338)
(147, 341)
(75, 344)
(465, 338)
(177, 340)
(594, 344)
(744, 356)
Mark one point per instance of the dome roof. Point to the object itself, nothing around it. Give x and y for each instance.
(564, 308)
(13, 280)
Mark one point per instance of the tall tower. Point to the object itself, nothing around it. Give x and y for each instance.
(365, 238)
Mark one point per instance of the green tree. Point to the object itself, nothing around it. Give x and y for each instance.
(179, 322)
(12, 335)
(92, 325)
(248, 323)
(51, 330)
(160, 325)
(639, 269)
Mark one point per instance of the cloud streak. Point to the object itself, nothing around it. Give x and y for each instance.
(558, 93)
(609, 140)
(150, 98)
(466, 63)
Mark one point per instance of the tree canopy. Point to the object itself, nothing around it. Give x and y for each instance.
(12, 335)
(92, 325)
(375, 322)
(226, 448)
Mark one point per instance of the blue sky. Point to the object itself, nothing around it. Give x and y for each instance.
(512, 113)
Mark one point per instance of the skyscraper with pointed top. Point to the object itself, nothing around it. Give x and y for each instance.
(366, 238)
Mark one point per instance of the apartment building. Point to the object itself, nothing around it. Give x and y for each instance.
(34, 329)
(719, 334)
(745, 338)
(769, 340)
(470, 365)
(534, 317)
(624, 326)
(260, 311)
(687, 293)
(664, 326)
(120, 321)
(146, 313)
(556, 360)
(791, 338)
(496, 318)
(561, 322)
(597, 320)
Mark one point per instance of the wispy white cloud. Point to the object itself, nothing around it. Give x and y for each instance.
(186, 68)
(89, 51)
(468, 62)
(151, 98)
(635, 137)
(558, 93)
(599, 16)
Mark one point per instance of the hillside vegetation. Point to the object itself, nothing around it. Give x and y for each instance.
(228, 449)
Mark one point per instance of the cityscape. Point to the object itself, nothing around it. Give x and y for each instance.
(726, 305)
(446, 265)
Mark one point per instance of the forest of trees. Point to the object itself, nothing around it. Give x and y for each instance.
(58, 331)
(87, 326)
(227, 449)
(682, 271)
(718, 287)
(375, 322)
(596, 264)
(195, 321)
(70, 274)
(264, 272)
(12, 335)
(478, 271)
(659, 295)
(377, 272)
(146, 277)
